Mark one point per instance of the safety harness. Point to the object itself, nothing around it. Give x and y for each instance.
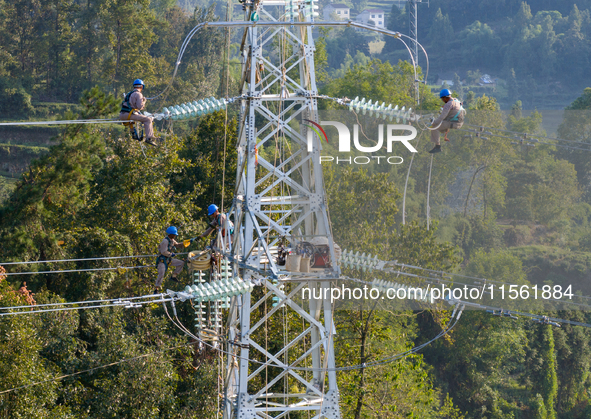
(125, 105)
(459, 117)
(165, 259)
(222, 227)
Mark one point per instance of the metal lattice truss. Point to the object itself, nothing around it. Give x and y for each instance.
(279, 199)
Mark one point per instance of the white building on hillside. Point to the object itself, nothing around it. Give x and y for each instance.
(341, 12)
(375, 17)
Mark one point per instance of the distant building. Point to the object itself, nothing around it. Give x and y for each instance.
(487, 80)
(449, 82)
(341, 12)
(374, 17)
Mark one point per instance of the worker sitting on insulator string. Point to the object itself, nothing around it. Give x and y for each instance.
(133, 103)
(219, 222)
(166, 257)
(451, 117)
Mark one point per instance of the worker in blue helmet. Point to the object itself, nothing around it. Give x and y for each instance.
(219, 222)
(451, 117)
(131, 106)
(166, 256)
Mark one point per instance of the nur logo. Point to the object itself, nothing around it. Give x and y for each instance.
(315, 127)
(345, 136)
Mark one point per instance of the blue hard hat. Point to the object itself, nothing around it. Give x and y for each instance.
(172, 230)
(139, 82)
(444, 93)
(212, 209)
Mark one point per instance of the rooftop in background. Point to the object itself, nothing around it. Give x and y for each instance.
(375, 17)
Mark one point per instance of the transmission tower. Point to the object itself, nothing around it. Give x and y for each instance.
(413, 27)
(279, 198)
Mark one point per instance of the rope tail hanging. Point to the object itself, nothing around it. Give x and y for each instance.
(428, 194)
(405, 187)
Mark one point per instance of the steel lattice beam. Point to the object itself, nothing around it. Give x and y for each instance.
(279, 193)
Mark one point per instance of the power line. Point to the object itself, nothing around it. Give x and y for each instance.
(294, 368)
(66, 122)
(81, 259)
(80, 302)
(78, 270)
(132, 302)
(74, 260)
(532, 136)
(61, 377)
(485, 307)
(484, 280)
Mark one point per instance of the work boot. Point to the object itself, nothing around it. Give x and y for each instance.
(436, 149)
(152, 141)
(156, 290)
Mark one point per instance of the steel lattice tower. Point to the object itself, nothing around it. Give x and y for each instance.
(279, 194)
(413, 28)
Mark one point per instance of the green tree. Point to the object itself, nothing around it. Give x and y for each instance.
(480, 46)
(375, 79)
(211, 150)
(441, 35)
(21, 364)
(53, 189)
(516, 110)
(396, 20)
(488, 155)
(129, 36)
(547, 384)
(572, 364)
(458, 88)
(541, 190)
(321, 58)
(575, 125)
(366, 331)
(349, 41)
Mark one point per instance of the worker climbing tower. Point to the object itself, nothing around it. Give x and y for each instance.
(282, 239)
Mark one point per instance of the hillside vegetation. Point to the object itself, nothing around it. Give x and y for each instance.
(502, 211)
